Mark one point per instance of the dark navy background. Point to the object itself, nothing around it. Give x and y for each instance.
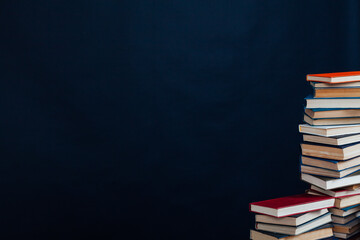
(157, 119)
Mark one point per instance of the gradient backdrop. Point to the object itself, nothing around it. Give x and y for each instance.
(157, 119)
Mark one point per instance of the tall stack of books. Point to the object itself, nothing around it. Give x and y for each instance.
(330, 162)
(330, 158)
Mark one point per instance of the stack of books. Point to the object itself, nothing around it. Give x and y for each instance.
(346, 210)
(330, 162)
(330, 158)
(300, 217)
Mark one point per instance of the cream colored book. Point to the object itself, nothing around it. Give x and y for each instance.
(329, 131)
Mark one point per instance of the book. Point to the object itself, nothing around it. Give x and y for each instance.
(330, 121)
(293, 230)
(338, 85)
(319, 113)
(348, 201)
(335, 140)
(350, 227)
(328, 173)
(343, 220)
(330, 164)
(329, 131)
(331, 183)
(315, 234)
(336, 193)
(294, 220)
(343, 152)
(332, 102)
(345, 211)
(352, 236)
(337, 77)
(336, 92)
(291, 205)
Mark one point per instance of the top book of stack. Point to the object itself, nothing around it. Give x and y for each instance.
(338, 77)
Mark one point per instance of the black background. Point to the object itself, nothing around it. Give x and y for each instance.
(157, 119)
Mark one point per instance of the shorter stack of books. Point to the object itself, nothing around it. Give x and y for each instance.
(345, 221)
(297, 217)
(346, 209)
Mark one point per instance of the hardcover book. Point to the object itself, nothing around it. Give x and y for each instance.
(328, 173)
(336, 193)
(319, 233)
(319, 113)
(348, 228)
(332, 102)
(336, 140)
(294, 220)
(349, 201)
(337, 77)
(330, 121)
(291, 205)
(329, 131)
(331, 183)
(292, 230)
(330, 164)
(329, 85)
(336, 92)
(345, 211)
(343, 220)
(343, 152)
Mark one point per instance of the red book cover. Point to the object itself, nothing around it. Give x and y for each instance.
(289, 201)
(333, 76)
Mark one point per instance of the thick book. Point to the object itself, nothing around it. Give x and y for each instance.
(319, 233)
(343, 152)
(292, 230)
(312, 102)
(329, 131)
(337, 77)
(319, 113)
(331, 183)
(330, 164)
(336, 193)
(349, 201)
(336, 92)
(294, 220)
(335, 140)
(330, 121)
(291, 205)
(345, 211)
(328, 173)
